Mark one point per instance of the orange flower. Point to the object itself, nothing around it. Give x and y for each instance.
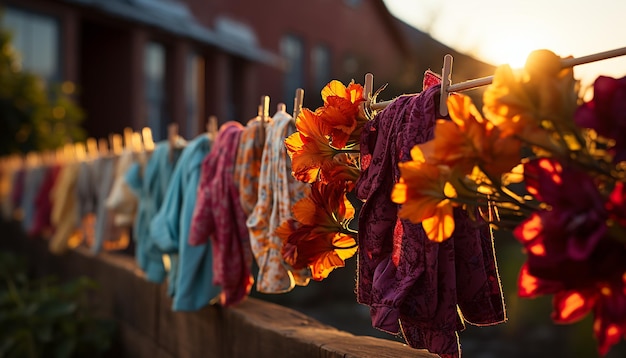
(308, 148)
(424, 192)
(341, 170)
(468, 140)
(532, 102)
(352, 93)
(316, 237)
(341, 111)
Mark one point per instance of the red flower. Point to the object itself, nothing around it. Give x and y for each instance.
(607, 300)
(576, 215)
(606, 113)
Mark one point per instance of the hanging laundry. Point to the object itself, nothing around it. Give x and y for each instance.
(95, 180)
(120, 201)
(190, 276)
(411, 283)
(9, 168)
(17, 193)
(278, 192)
(41, 225)
(65, 216)
(218, 214)
(148, 180)
(248, 162)
(33, 178)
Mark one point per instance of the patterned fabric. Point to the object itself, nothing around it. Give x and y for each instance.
(64, 215)
(121, 200)
(278, 191)
(218, 213)
(248, 163)
(410, 282)
(190, 276)
(148, 180)
(43, 205)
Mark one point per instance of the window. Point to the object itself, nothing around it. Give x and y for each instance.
(320, 59)
(36, 39)
(154, 75)
(194, 93)
(292, 50)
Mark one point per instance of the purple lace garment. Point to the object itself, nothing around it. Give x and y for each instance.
(411, 283)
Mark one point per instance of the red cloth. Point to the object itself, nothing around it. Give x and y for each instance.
(43, 204)
(218, 213)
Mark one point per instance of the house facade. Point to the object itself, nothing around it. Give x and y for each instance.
(152, 62)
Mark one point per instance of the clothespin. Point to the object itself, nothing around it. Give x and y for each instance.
(116, 143)
(265, 108)
(281, 107)
(92, 148)
(297, 102)
(367, 90)
(136, 143)
(172, 135)
(446, 74)
(148, 142)
(103, 147)
(212, 127)
(128, 138)
(80, 153)
(69, 152)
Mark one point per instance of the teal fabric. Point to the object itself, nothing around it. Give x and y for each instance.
(150, 186)
(191, 275)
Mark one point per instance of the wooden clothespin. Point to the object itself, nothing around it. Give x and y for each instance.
(116, 145)
(69, 152)
(103, 147)
(80, 152)
(148, 141)
(128, 138)
(136, 142)
(92, 148)
(367, 90)
(172, 135)
(281, 107)
(446, 74)
(212, 127)
(297, 102)
(265, 108)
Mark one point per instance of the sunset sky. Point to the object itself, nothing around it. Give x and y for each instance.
(506, 31)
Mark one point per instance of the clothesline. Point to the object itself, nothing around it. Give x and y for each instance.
(447, 87)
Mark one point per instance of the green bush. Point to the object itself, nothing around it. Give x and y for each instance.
(43, 318)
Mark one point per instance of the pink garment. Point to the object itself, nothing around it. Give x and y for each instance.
(218, 213)
(43, 204)
(411, 283)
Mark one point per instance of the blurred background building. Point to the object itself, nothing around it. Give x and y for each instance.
(152, 62)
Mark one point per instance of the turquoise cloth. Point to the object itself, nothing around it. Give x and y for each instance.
(191, 274)
(150, 186)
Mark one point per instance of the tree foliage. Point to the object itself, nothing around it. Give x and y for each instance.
(33, 116)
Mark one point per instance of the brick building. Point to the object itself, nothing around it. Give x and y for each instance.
(151, 62)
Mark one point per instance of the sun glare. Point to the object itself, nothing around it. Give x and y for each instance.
(511, 50)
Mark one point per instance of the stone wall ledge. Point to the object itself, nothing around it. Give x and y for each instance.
(149, 328)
